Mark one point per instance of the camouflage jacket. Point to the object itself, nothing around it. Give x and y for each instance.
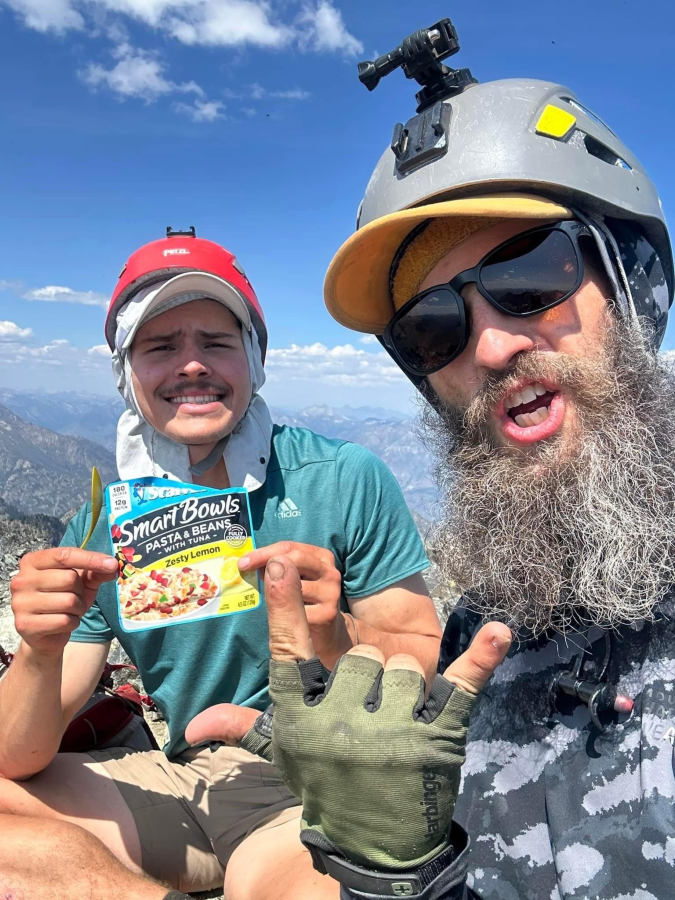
(555, 807)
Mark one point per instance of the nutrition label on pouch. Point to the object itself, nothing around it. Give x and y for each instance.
(177, 546)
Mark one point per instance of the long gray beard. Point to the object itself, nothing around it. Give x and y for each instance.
(579, 530)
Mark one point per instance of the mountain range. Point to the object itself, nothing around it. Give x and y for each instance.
(49, 442)
(42, 471)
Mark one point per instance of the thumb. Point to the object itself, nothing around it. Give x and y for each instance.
(472, 669)
(289, 630)
(224, 722)
(93, 580)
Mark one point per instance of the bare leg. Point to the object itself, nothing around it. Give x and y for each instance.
(54, 860)
(75, 789)
(273, 865)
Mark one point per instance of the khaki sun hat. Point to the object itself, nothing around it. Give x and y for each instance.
(357, 287)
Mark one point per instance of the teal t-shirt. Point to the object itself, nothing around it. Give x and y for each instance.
(329, 493)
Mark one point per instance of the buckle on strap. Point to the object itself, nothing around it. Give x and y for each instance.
(399, 884)
(381, 884)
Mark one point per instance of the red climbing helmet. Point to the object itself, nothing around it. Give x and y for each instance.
(181, 253)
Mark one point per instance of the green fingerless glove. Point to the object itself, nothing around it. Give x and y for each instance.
(376, 767)
(258, 739)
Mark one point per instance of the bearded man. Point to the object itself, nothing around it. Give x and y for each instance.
(513, 259)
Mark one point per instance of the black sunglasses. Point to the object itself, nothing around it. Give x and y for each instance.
(525, 275)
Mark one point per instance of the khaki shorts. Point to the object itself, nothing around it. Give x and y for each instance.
(192, 811)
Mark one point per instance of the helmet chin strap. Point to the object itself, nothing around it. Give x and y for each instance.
(209, 461)
(613, 265)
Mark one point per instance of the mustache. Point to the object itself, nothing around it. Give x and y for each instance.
(568, 373)
(204, 387)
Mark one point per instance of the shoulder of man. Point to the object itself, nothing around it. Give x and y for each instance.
(294, 447)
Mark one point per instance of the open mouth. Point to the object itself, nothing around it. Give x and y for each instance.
(533, 412)
(530, 405)
(199, 399)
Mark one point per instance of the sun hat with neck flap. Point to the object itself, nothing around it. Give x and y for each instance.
(158, 277)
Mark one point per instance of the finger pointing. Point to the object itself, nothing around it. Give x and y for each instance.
(289, 630)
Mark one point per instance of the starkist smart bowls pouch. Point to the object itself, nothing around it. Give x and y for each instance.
(177, 546)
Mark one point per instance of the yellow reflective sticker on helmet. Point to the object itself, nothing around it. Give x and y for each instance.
(555, 122)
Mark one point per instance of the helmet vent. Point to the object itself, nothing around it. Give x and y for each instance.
(595, 148)
(587, 112)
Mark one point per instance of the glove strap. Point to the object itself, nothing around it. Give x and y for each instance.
(258, 739)
(357, 881)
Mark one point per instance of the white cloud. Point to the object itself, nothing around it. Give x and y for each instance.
(341, 365)
(53, 293)
(294, 94)
(59, 354)
(102, 350)
(55, 354)
(137, 73)
(218, 23)
(325, 30)
(11, 332)
(214, 23)
(141, 74)
(202, 110)
(13, 286)
(48, 15)
(258, 92)
(368, 339)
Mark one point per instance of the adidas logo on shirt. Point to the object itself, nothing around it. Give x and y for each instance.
(288, 510)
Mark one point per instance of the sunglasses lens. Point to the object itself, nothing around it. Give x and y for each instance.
(429, 335)
(531, 273)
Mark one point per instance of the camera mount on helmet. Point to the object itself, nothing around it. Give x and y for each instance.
(420, 56)
(424, 137)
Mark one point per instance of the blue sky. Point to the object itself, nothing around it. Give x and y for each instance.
(246, 119)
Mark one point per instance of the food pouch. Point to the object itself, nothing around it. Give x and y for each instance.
(177, 546)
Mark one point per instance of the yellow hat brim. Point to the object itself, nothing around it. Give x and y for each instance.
(356, 289)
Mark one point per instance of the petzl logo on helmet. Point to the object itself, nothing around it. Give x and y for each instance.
(176, 251)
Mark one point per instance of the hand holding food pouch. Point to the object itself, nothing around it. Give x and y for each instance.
(177, 546)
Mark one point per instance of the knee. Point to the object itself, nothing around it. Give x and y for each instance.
(238, 884)
(22, 835)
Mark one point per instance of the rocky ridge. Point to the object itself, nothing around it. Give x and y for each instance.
(45, 472)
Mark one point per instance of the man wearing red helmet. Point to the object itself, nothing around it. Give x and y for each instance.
(188, 339)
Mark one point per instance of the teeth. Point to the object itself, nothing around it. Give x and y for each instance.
(201, 398)
(527, 395)
(526, 420)
(514, 400)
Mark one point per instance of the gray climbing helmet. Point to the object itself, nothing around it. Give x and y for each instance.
(517, 147)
